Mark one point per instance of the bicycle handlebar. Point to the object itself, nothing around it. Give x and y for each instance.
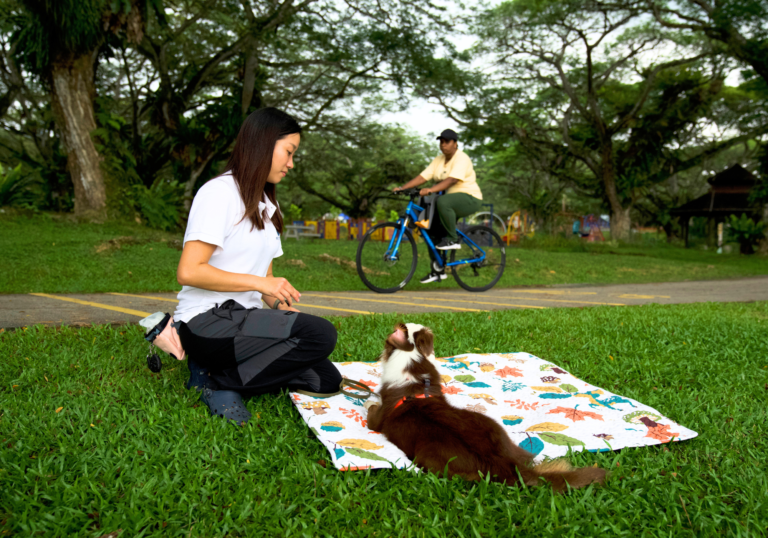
(409, 192)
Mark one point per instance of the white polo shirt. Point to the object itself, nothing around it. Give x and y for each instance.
(216, 217)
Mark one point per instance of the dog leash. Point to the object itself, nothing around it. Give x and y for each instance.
(354, 385)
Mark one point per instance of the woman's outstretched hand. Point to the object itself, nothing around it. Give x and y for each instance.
(280, 288)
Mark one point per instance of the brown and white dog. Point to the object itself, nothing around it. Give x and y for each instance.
(414, 415)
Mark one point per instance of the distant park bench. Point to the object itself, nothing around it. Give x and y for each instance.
(297, 232)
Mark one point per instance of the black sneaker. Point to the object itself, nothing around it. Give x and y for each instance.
(433, 276)
(447, 244)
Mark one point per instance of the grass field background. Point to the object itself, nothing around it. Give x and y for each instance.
(91, 441)
(53, 255)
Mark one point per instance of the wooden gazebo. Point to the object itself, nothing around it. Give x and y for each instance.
(728, 195)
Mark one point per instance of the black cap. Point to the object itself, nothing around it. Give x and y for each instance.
(448, 134)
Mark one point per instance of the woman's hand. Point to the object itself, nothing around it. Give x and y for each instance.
(280, 288)
(283, 306)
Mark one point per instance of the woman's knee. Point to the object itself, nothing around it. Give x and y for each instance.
(330, 335)
(320, 331)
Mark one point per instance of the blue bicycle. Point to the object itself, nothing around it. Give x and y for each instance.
(387, 255)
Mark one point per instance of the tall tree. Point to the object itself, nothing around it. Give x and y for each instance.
(218, 60)
(60, 41)
(741, 28)
(740, 25)
(588, 82)
(355, 170)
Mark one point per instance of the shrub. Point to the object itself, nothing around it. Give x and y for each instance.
(161, 204)
(16, 189)
(746, 232)
(380, 214)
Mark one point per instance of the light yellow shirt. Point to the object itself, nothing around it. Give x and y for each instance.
(459, 167)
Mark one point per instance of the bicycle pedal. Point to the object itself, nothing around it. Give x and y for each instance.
(423, 224)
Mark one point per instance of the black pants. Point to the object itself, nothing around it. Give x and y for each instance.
(257, 351)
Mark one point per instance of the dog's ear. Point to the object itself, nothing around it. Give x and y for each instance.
(399, 338)
(425, 342)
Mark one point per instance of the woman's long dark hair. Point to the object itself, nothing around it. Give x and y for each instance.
(251, 161)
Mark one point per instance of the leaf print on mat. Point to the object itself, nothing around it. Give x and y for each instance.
(661, 432)
(574, 414)
(354, 415)
(547, 427)
(560, 439)
(547, 389)
(512, 386)
(519, 404)
(476, 408)
(533, 445)
(451, 389)
(507, 371)
(359, 443)
(568, 388)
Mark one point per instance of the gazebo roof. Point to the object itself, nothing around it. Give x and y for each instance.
(716, 204)
(728, 195)
(735, 177)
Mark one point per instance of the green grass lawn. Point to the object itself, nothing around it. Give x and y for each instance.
(135, 451)
(53, 255)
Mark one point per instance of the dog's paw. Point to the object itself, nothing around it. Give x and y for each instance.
(373, 399)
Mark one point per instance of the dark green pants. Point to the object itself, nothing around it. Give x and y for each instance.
(451, 207)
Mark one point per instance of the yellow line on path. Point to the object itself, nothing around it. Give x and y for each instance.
(557, 292)
(391, 302)
(302, 305)
(554, 300)
(298, 305)
(97, 305)
(145, 297)
(483, 302)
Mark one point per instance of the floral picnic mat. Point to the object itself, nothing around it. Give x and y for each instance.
(544, 409)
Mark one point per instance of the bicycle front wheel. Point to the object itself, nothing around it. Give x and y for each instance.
(386, 258)
(482, 244)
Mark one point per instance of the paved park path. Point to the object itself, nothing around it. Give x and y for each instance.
(81, 309)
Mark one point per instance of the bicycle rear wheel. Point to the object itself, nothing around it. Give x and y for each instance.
(382, 264)
(483, 274)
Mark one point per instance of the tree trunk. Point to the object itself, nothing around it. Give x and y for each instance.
(73, 94)
(763, 245)
(249, 79)
(621, 223)
(620, 215)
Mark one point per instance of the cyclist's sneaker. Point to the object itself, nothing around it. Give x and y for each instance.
(434, 276)
(447, 244)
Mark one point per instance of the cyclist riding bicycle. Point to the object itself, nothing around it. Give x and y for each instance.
(453, 171)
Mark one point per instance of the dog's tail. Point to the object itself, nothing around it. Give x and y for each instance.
(562, 474)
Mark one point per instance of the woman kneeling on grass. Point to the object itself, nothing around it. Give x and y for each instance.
(235, 346)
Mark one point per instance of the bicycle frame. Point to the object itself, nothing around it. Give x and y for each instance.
(412, 212)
